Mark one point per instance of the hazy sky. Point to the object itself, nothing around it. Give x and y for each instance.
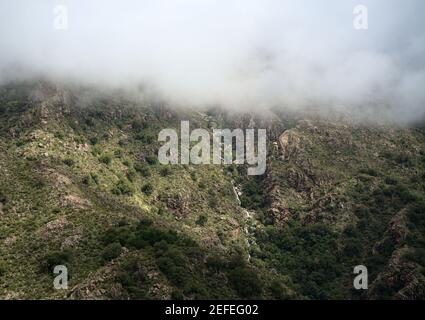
(240, 54)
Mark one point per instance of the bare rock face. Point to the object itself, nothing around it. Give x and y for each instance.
(405, 277)
(293, 178)
(93, 287)
(72, 240)
(9, 241)
(290, 143)
(76, 202)
(299, 179)
(280, 215)
(103, 283)
(53, 228)
(396, 232)
(177, 203)
(58, 180)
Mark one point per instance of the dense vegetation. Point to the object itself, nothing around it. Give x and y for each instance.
(191, 270)
(81, 186)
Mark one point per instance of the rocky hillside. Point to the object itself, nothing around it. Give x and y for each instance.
(81, 186)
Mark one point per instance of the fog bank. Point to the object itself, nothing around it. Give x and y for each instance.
(241, 55)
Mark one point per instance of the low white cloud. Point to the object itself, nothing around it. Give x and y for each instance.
(239, 54)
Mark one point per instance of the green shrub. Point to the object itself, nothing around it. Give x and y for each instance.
(131, 174)
(55, 258)
(119, 234)
(94, 140)
(402, 158)
(122, 143)
(216, 263)
(246, 282)
(417, 255)
(213, 202)
(137, 125)
(2, 197)
(111, 251)
(278, 290)
(407, 195)
(152, 160)
(106, 159)
(127, 162)
(174, 265)
(177, 295)
(145, 138)
(370, 172)
(416, 216)
(165, 171)
(202, 220)
(142, 169)
(94, 177)
(86, 180)
(19, 143)
(38, 182)
(353, 247)
(133, 279)
(123, 187)
(2, 268)
(90, 122)
(391, 181)
(96, 150)
(118, 153)
(59, 135)
(69, 162)
(147, 189)
(252, 194)
(144, 223)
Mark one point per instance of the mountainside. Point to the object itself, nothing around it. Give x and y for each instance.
(81, 186)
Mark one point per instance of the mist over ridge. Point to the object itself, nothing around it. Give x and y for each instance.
(241, 55)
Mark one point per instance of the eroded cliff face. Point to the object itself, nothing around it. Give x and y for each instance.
(81, 186)
(355, 179)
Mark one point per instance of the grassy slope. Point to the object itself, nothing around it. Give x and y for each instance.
(72, 175)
